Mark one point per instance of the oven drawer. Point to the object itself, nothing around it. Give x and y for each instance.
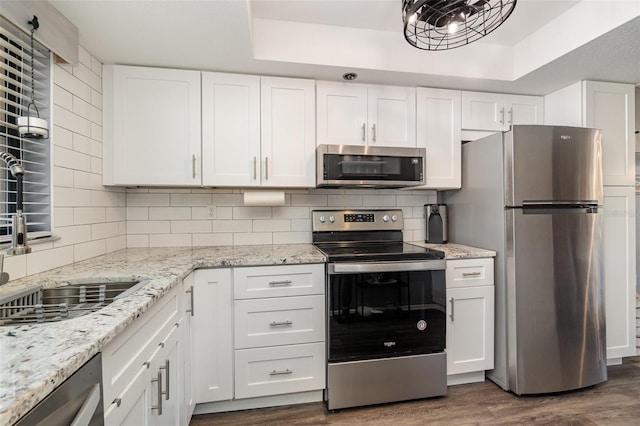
(469, 272)
(278, 370)
(279, 321)
(277, 281)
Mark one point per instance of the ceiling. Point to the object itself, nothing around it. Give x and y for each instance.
(543, 46)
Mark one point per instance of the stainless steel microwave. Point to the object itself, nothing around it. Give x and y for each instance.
(341, 166)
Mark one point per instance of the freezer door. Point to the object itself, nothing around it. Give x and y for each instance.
(555, 300)
(552, 163)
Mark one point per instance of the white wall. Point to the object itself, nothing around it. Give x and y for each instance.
(180, 217)
(88, 218)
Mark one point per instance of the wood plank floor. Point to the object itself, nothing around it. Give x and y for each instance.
(616, 402)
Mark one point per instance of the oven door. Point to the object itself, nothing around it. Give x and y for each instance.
(390, 309)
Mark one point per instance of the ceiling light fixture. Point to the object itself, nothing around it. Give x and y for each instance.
(447, 24)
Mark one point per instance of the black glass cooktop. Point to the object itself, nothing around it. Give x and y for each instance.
(376, 251)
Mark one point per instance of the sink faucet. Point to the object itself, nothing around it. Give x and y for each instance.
(4, 276)
(19, 243)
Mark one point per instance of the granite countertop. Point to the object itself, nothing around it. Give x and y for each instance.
(454, 251)
(36, 358)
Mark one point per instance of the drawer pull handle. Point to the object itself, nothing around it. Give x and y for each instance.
(471, 274)
(278, 283)
(167, 373)
(280, 372)
(159, 382)
(191, 309)
(117, 401)
(280, 324)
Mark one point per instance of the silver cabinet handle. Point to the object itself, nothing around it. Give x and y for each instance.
(190, 291)
(280, 324)
(373, 133)
(266, 168)
(278, 283)
(471, 274)
(452, 300)
(159, 384)
(193, 165)
(501, 119)
(510, 112)
(167, 365)
(255, 168)
(364, 132)
(280, 372)
(117, 401)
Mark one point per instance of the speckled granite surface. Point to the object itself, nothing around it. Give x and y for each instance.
(457, 251)
(34, 359)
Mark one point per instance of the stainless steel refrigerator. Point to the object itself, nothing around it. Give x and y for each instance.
(534, 195)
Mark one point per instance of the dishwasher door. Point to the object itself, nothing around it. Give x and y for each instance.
(76, 402)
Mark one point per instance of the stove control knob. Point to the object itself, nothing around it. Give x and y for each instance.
(394, 218)
(385, 218)
(332, 219)
(322, 219)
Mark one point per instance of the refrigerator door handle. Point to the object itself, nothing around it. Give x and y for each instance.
(560, 210)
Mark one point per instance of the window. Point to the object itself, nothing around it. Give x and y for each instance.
(15, 95)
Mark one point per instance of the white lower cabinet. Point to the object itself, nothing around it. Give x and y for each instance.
(212, 325)
(470, 319)
(143, 369)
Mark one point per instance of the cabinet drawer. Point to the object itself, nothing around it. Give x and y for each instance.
(469, 272)
(279, 321)
(276, 281)
(280, 369)
(124, 355)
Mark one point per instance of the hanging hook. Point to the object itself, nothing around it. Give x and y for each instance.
(34, 23)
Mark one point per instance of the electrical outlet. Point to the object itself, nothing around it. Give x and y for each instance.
(211, 212)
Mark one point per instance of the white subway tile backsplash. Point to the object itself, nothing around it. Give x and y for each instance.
(169, 213)
(264, 225)
(232, 225)
(62, 216)
(69, 82)
(44, 260)
(63, 176)
(86, 180)
(70, 235)
(169, 240)
(251, 212)
(96, 165)
(137, 241)
(116, 214)
(137, 213)
(96, 67)
(62, 97)
(81, 108)
(343, 200)
(71, 121)
(190, 199)
(71, 197)
(411, 200)
(85, 215)
(148, 227)
(84, 74)
(219, 239)
(190, 226)
(62, 137)
(291, 212)
(84, 57)
(251, 239)
(301, 225)
(291, 237)
(90, 249)
(96, 98)
(116, 243)
(70, 159)
(378, 200)
(151, 200)
(311, 200)
(227, 199)
(96, 131)
(108, 198)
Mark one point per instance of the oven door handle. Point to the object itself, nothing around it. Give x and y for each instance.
(374, 267)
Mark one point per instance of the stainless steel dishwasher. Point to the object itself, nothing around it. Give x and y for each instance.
(76, 402)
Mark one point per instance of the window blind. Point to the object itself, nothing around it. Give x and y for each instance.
(15, 95)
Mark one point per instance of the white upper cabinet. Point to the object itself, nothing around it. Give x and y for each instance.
(230, 129)
(606, 106)
(352, 114)
(151, 126)
(257, 131)
(288, 113)
(497, 112)
(611, 107)
(438, 130)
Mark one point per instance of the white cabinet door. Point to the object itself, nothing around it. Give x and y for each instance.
(341, 114)
(523, 110)
(230, 129)
(151, 126)
(482, 111)
(391, 116)
(133, 404)
(166, 393)
(620, 270)
(288, 132)
(188, 339)
(213, 335)
(439, 131)
(470, 318)
(611, 107)
(497, 112)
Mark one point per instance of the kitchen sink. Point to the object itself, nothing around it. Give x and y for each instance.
(36, 304)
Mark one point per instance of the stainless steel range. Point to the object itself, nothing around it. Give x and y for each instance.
(386, 310)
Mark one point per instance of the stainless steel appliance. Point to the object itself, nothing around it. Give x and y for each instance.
(386, 314)
(76, 402)
(437, 223)
(341, 166)
(534, 195)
